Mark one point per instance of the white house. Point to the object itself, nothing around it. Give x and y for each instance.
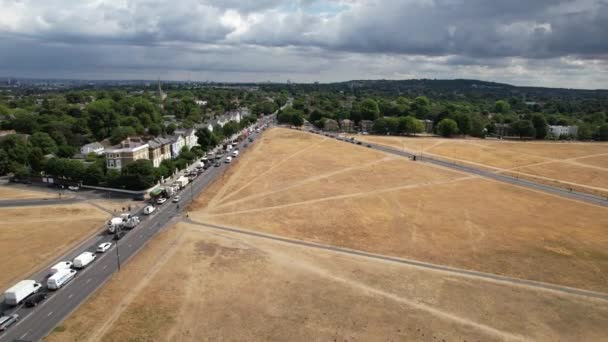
(190, 138)
(177, 143)
(95, 147)
(200, 103)
(559, 131)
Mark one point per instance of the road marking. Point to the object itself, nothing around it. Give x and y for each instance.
(70, 296)
(88, 280)
(23, 336)
(106, 266)
(49, 314)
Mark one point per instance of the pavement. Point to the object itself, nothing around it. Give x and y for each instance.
(35, 323)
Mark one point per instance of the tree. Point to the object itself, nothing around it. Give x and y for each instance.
(392, 125)
(66, 151)
(297, 120)
(171, 128)
(524, 128)
(206, 139)
(102, 117)
(44, 142)
(369, 109)
(230, 128)
(447, 127)
(464, 123)
(421, 106)
(36, 159)
(154, 129)
(93, 175)
(410, 125)
(380, 126)
(585, 131)
(121, 133)
(4, 162)
(603, 133)
(540, 126)
(478, 128)
(502, 106)
(138, 175)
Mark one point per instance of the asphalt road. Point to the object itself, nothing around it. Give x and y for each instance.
(35, 323)
(575, 195)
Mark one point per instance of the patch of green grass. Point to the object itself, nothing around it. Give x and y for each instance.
(59, 328)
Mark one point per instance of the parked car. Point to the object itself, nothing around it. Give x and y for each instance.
(176, 199)
(103, 247)
(35, 299)
(161, 200)
(368, 145)
(228, 160)
(7, 321)
(73, 188)
(217, 164)
(358, 143)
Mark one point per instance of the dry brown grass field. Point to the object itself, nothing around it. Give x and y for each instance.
(327, 191)
(191, 283)
(8, 192)
(33, 236)
(581, 166)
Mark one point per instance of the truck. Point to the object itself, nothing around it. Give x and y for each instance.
(114, 224)
(84, 259)
(20, 291)
(59, 279)
(132, 222)
(182, 181)
(61, 266)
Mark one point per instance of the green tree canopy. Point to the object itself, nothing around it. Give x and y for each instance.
(369, 109)
(44, 142)
(447, 128)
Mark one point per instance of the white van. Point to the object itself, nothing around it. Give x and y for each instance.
(149, 210)
(84, 259)
(228, 160)
(235, 153)
(59, 279)
(61, 266)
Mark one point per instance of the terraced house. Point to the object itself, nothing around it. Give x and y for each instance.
(129, 150)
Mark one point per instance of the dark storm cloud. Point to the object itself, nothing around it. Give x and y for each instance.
(312, 39)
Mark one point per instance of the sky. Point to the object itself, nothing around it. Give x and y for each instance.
(552, 43)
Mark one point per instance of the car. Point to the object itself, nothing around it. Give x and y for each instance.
(35, 299)
(73, 188)
(176, 199)
(368, 145)
(149, 209)
(119, 235)
(358, 143)
(103, 247)
(217, 164)
(250, 139)
(228, 160)
(207, 165)
(7, 321)
(245, 145)
(161, 200)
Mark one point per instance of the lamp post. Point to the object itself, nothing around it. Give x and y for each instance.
(117, 254)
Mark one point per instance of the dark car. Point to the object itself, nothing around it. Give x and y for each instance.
(358, 143)
(35, 299)
(250, 139)
(368, 145)
(217, 164)
(246, 144)
(119, 235)
(7, 321)
(207, 165)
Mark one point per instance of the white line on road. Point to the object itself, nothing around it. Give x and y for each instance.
(23, 336)
(106, 266)
(88, 280)
(49, 314)
(70, 296)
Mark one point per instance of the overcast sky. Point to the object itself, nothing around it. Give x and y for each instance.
(551, 43)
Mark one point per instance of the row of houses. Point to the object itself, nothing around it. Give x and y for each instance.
(347, 125)
(503, 130)
(134, 148)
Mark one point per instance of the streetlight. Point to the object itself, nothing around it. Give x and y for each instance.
(117, 253)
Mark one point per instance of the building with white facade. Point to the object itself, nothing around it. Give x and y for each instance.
(177, 143)
(95, 147)
(558, 131)
(189, 135)
(126, 152)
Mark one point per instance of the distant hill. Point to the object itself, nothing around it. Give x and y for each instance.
(449, 89)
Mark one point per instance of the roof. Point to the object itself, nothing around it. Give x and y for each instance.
(188, 131)
(158, 142)
(94, 145)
